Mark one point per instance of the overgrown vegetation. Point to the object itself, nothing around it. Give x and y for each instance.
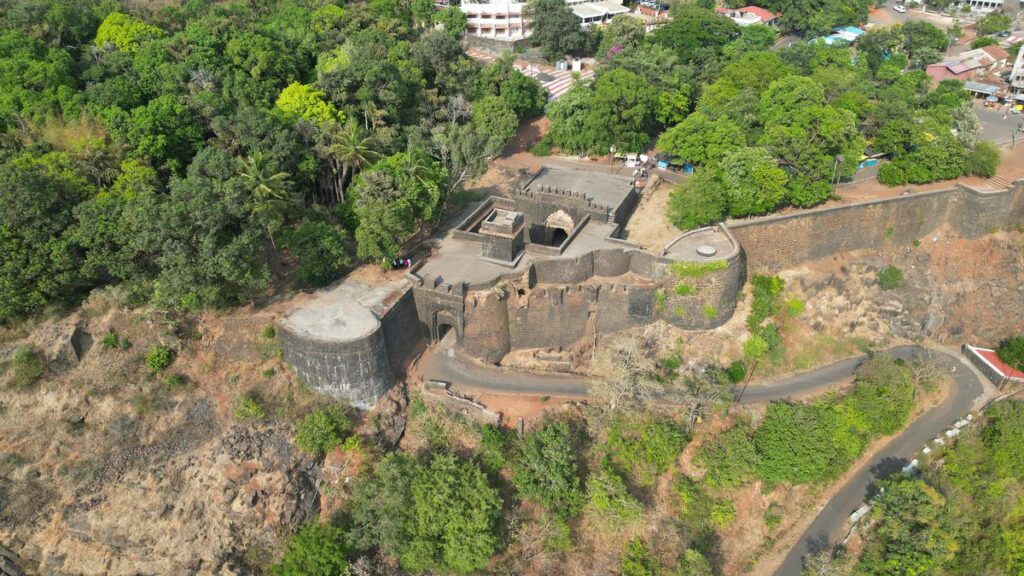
(323, 430)
(964, 515)
(159, 358)
(205, 155)
(26, 368)
(1011, 351)
(890, 278)
(812, 442)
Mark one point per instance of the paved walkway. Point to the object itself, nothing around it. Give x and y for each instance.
(556, 82)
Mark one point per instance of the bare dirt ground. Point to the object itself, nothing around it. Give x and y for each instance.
(648, 226)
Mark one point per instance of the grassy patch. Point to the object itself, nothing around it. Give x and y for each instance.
(26, 368)
(697, 269)
(683, 289)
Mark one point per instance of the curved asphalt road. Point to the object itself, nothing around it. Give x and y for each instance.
(826, 528)
(437, 364)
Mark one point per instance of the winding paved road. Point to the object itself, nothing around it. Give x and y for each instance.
(438, 364)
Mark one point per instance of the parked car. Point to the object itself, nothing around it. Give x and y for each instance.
(900, 8)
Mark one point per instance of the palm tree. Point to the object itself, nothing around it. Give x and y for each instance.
(348, 149)
(269, 196)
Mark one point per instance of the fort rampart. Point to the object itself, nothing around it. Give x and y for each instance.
(775, 243)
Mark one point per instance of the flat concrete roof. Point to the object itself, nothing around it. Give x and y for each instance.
(608, 190)
(685, 246)
(346, 312)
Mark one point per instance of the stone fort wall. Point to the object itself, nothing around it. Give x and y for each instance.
(775, 243)
(563, 301)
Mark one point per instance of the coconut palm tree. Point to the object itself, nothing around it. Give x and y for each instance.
(269, 192)
(347, 149)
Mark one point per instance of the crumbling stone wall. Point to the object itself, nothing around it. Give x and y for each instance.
(486, 334)
(775, 243)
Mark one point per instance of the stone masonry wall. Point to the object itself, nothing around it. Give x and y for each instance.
(550, 306)
(775, 243)
(402, 331)
(357, 371)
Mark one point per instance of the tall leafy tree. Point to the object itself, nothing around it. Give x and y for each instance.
(347, 148)
(269, 192)
(556, 30)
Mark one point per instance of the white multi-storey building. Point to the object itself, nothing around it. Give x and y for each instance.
(505, 20)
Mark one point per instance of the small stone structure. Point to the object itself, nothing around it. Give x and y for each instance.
(503, 280)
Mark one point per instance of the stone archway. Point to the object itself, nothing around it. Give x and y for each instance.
(557, 227)
(442, 322)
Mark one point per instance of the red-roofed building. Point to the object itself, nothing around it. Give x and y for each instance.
(749, 15)
(989, 363)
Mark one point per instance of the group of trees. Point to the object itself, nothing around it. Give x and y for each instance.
(193, 153)
(964, 515)
(438, 512)
(802, 443)
(771, 128)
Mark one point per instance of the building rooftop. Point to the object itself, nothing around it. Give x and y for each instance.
(608, 190)
(349, 311)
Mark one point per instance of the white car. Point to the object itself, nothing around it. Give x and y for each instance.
(900, 8)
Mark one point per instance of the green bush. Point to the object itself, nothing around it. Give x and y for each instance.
(27, 367)
(982, 41)
(159, 358)
(174, 381)
(609, 500)
(315, 550)
(736, 371)
(323, 430)
(983, 160)
(541, 148)
(645, 449)
(494, 443)
(320, 249)
(890, 278)
(248, 407)
(729, 458)
(269, 332)
(723, 513)
(637, 560)
(710, 312)
(801, 443)
(883, 395)
(546, 470)
(1011, 351)
(795, 307)
(766, 291)
(113, 340)
(690, 207)
(892, 174)
(440, 517)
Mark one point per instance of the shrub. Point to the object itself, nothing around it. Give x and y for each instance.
(541, 148)
(794, 443)
(323, 430)
(247, 407)
(890, 278)
(113, 340)
(269, 332)
(494, 442)
(983, 41)
(883, 395)
(728, 457)
(316, 549)
(659, 299)
(736, 371)
(320, 249)
(637, 560)
(646, 449)
(159, 358)
(795, 307)
(608, 498)
(766, 291)
(983, 160)
(174, 381)
(892, 174)
(1011, 351)
(27, 367)
(546, 470)
(690, 207)
(710, 312)
(694, 506)
(723, 513)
